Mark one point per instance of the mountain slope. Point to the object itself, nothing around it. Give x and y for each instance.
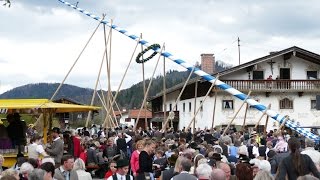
(127, 98)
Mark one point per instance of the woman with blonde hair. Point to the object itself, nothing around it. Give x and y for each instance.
(80, 168)
(145, 161)
(134, 161)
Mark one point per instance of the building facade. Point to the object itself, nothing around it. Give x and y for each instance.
(288, 80)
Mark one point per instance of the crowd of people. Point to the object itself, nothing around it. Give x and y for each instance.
(124, 154)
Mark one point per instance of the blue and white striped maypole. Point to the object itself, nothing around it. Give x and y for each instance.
(278, 117)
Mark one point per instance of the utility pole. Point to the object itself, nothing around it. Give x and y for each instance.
(239, 49)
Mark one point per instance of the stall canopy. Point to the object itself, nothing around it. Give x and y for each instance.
(42, 104)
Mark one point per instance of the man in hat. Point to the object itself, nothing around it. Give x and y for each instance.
(56, 148)
(122, 171)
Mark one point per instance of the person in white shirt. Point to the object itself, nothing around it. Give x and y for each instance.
(80, 168)
(122, 171)
(312, 153)
(35, 149)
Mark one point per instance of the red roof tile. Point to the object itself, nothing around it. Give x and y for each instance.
(144, 113)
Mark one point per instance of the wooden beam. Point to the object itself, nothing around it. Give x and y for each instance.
(264, 113)
(244, 101)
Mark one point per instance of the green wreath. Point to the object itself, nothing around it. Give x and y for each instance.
(154, 47)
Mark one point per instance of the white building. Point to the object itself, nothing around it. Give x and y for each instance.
(293, 91)
(129, 118)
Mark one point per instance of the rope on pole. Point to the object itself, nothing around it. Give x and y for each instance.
(274, 115)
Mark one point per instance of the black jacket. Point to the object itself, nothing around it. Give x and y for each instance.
(286, 168)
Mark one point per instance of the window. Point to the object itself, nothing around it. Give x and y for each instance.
(312, 74)
(313, 104)
(170, 107)
(189, 106)
(184, 107)
(286, 104)
(227, 104)
(127, 120)
(201, 108)
(257, 75)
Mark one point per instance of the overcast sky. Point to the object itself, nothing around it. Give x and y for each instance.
(41, 39)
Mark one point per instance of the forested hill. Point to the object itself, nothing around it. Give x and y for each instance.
(128, 98)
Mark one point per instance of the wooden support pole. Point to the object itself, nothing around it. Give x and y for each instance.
(144, 87)
(282, 124)
(265, 126)
(245, 117)
(194, 111)
(214, 106)
(264, 113)
(164, 91)
(109, 74)
(176, 102)
(45, 127)
(201, 105)
(244, 101)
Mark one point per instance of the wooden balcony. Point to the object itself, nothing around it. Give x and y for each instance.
(275, 85)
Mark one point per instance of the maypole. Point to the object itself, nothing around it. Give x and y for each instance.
(274, 115)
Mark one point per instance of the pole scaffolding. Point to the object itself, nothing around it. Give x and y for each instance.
(196, 111)
(97, 80)
(147, 92)
(176, 102)
(235, 115)
(274, 115)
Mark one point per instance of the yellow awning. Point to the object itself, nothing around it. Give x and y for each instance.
(43, 104)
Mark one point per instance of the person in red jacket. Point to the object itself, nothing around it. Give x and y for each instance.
(76, 144)
(134, 161)
(83, 154)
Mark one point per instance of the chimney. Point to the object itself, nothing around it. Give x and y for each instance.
(208, 63)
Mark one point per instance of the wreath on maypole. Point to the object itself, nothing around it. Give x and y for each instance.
(154, 47)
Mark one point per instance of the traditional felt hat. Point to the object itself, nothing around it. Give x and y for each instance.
(216, 156)
(244, 159)
(122, 163)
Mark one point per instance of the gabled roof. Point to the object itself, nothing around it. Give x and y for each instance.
(294, 50)
(144, 113)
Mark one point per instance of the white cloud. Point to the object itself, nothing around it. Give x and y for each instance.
(227, 20)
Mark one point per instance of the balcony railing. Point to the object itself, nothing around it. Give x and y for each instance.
(160, 114)
(275, 85)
